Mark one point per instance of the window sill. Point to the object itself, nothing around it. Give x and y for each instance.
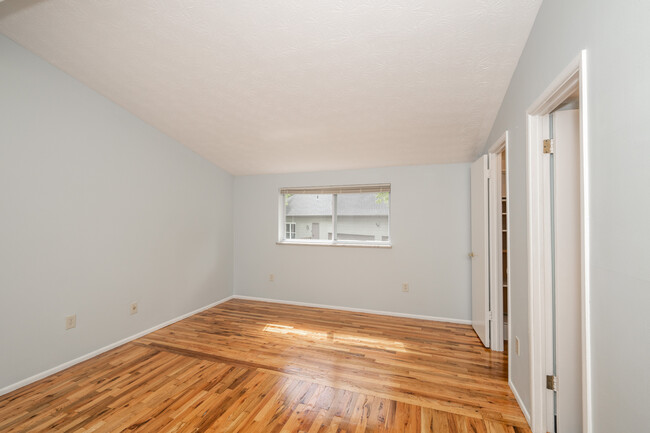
(337, 244)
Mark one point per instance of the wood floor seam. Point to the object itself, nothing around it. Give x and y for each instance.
(252, 366)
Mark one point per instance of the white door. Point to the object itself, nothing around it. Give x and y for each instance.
(567, 267)
(479, 254)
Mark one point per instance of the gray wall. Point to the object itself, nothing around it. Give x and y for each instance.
(617, 37)
(97, 210)
(429, 230)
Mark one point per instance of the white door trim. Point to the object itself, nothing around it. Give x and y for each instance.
(496, 247)
(573, 78)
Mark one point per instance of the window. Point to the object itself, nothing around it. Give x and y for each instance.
(336, 215)
(290, 231)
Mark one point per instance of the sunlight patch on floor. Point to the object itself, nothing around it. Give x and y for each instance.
(337, 338)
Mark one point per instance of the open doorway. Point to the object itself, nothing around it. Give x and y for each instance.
(504, 268)
(490, 246)
(558, 259)
(499, 242)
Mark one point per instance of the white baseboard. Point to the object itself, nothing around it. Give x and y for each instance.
(87, 356)
(99, 351)
(521, 403)
(356, 310)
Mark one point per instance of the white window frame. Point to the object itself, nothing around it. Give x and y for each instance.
(334, 191)
(290, 224)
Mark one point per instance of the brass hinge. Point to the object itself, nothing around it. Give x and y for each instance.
(549, 145)
(551, 383)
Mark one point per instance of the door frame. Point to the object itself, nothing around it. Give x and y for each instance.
(574, 77)
(495, 236)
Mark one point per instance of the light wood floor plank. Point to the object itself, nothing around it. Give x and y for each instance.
(247, 366)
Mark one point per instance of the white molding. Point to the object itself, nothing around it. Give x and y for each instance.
(535, 334)
(500, 144)
(99, 351)
(496, 247)
(508, 260)
(355, 310)
(585, 187)
(519, 400)
(494, 209)
(572, 78)
(559, 89)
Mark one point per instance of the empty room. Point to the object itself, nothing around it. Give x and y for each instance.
(324, 216)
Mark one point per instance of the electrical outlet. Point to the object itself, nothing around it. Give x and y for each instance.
(71, 322)
(271, 278)
(517, 345)
(405, 287)
(134, 308)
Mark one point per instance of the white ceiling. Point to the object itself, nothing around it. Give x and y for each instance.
(273, 86)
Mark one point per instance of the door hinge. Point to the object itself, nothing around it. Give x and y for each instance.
(551, 383)
(489, 315)
(549, 145)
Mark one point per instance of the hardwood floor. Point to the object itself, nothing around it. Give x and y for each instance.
(248, 366)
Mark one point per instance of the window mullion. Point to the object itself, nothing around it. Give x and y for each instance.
(334, 206)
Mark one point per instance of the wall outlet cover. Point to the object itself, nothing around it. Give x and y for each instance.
(134, 308)
(71, 322)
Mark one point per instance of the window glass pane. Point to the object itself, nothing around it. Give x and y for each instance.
(290, 231)
(362, 217)
(311, 214)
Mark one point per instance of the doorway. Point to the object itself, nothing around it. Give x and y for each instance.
(558, 259)
(490, 245)
(499, 240)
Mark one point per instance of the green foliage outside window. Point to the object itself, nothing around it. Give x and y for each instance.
(381, 197)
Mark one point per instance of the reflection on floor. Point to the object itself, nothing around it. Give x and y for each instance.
(248, 366)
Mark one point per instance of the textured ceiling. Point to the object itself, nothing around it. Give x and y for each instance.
(274, 86)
